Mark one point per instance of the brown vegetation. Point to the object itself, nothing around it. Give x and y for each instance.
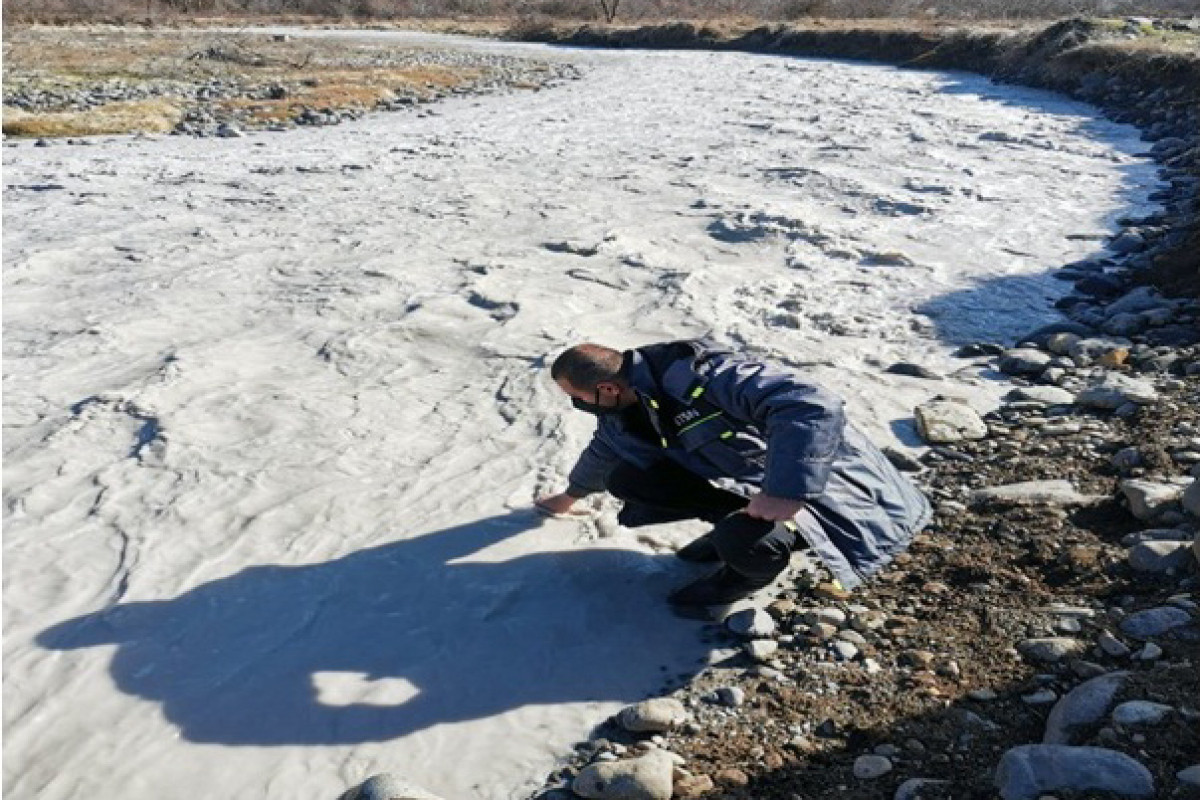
(166, 11)
(315, 74)
(148, 116)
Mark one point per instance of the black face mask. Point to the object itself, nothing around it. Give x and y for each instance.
(594, 408)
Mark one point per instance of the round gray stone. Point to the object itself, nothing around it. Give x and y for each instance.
(1029, 771)
(753, 623)
(1050, 649)
(870, 767)
(1140, 712)
(1154, 622)
(1023, 361)
(1160, 556)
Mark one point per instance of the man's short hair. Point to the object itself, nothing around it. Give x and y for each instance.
(585, 366)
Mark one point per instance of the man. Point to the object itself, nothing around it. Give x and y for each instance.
(688, 430)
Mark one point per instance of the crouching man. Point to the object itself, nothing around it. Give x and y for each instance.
(687, 430)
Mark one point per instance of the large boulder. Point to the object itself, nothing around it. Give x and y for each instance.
(1032, 770)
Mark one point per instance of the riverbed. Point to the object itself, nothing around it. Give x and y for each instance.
(276, 406)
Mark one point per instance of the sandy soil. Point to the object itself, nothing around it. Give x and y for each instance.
(275, 407)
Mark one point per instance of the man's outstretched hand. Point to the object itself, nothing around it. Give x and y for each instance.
(555, 504)
(775, 509)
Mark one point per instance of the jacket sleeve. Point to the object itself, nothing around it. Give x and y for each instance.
(592, 468)
(803, 423)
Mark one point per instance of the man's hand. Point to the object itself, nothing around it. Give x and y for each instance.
(775, 509)
(555, 504)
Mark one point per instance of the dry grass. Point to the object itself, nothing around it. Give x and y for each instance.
(322, 75)
(148, 116)
(359, 89)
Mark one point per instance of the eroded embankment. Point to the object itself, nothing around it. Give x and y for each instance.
(1090, 60)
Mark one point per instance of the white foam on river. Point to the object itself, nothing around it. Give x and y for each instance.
(275, 407)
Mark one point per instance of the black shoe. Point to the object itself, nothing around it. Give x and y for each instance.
(720, 588)
(699, 551)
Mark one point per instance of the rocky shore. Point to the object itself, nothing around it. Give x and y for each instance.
(1042, 638)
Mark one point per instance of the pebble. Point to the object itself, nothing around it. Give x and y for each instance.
(1112, 646)
(732, 777)
(830, 616)
(1039, 698)
(1160, 556)
(1140, 712)
(844, 650)
(1189, 776)
(1154, 622)
(753, 623)
(731, 696)
(1023, 361)
(1028, 771)
(647, 777)
(870, 767)
(653, 716)
(911, 788)
(852, 636)
(983, 695)
(1149, 652)
(1050, 649)
(688, 786)
(1050, 395)
(761, 649)
(1191, 499)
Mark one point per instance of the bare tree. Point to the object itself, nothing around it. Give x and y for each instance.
(609, 9)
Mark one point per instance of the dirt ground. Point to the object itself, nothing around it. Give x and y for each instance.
(976, 583)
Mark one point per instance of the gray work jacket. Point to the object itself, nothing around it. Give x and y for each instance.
(747, 426)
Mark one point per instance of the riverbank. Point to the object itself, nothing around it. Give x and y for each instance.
(69, 83)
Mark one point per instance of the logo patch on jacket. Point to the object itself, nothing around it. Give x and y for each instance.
(685, 416)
